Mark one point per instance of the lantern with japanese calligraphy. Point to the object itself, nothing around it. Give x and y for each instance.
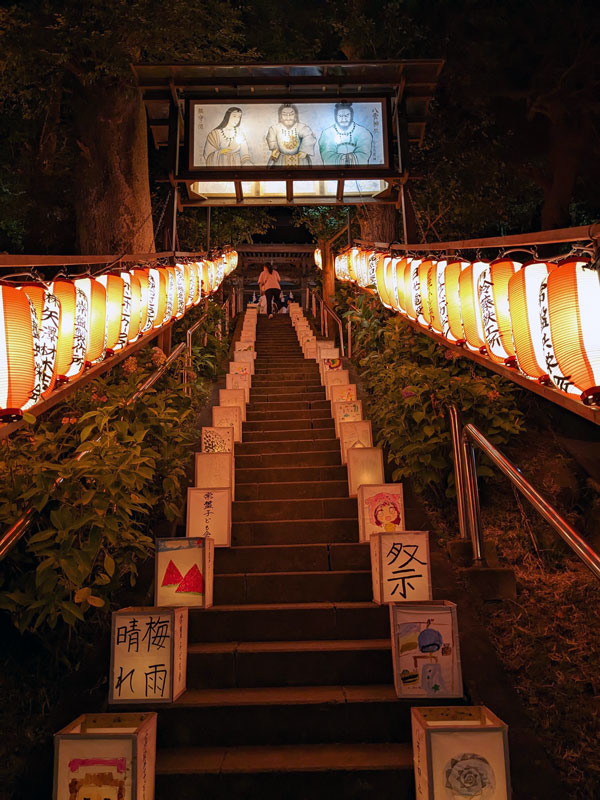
(412, 289)
(570, 319)
(383, 270)
(135, 318)
(425, 268)
(353, 257)
(115, 288)
(142, 278)
(180, 291)
(495, 313)
(526, 328)
(318, 258)
(470, 309)
(17, 364)
(398, 294)
(157, 299)
(195, 282)
(72, 332)
(172, 299)
(96, 323)
(125, 312)
(341, 267)
(448, 284)
(45, 339)
(434, 297)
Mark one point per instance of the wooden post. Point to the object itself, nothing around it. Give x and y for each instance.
(164, 340)
(328, 273)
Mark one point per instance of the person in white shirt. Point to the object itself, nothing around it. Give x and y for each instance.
(268, 282)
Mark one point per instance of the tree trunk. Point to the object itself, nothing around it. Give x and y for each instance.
(378, 223)
(113, 208)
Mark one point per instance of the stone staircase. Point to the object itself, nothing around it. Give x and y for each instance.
(290, 690)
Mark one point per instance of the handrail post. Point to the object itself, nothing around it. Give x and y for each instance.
(349, 326)
(472, 492)
(459, 477)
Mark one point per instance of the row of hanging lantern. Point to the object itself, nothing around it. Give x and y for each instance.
(541, 317)
(50, 332)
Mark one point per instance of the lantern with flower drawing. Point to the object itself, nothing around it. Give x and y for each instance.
(17, 365)
(495, 313)
(470, 309)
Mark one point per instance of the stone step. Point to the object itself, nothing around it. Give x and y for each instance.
(257, 393)
(319, 772)
(313, 508)
(306, 458)
(302, 531)
(285, 715)
(289, 415)
(274, 622)
(261, 381)
(298, 445)
(291, 490)
(295, 405)
(287, 397)
(227, 665)
(294, 434)
(291, 474)
(293, 558)
(286, 424)
(351, 586)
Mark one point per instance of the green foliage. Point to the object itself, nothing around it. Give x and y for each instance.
(322, 221)
(411, 380)
(227, 226)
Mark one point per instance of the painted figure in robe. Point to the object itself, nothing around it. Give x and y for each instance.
(345, 143)
(291, 142)
(226, 145)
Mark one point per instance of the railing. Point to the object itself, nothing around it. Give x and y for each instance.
(327, 315)
(188, 347)
(16, 531)
(464, 441)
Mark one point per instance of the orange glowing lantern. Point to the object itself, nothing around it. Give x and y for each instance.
(115, 289)
(423, 278)
(17, 362)
(45, 339)
(399, 291)
(195, 281)
(470, 309)
(435, 321)
(318, 258)
(172, 300)
(381, 274)
(412, 293)
(495, 313)
(135, 317)
(72, 333)
(569, 313)
(142, 277)
(180, 293)
(526, 328)
(353, 258)
(96, 322)
(449, 300)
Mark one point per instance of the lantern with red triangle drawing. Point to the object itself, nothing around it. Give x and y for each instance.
(184, 571)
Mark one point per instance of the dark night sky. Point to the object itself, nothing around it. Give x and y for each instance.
(284, 232)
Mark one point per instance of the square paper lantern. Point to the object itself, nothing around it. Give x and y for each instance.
(239, 382)
(234, 397)
(400, 564)
(248, 336)
(354, 435)
(350, 411)
(380, 510)
(460, 752)
(209, 515)
(106, 756)
(335, 378)
(244, 347)
(365, 465)
(425, 649)
(216, 470)
(184, 571)
(148, 655)
(239, 368)
(327, 365)
(228, 416)
(344, 393)
(310, 349)
(329, 353)
(217, 440)
(325, 344)
(245, 357)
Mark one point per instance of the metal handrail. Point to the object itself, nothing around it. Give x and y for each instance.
(188, 345)
(464, 440)
(326, 310)
(16, 531)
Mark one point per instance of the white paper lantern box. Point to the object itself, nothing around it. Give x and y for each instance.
(380, 509)
(209, 514)
(106, 756)
(236, 381)
(216, 470)
(148, 655)
(184, 571)
(228, 416)
(425, 649)
(460, 752)
(400, 563)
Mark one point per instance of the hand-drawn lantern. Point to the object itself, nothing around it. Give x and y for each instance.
(569, 314)
(72, 333)
(17, 364)
(470, 309)
(209, 514)
(495, 312)
(449, 300)
(172, 300)
(184, 569)
(380, 509)
(148, 654)
(45, 339)
(460, 752)
(216, 470)
(96, 323)
(106, 756)
(400, 563)
(180, 290)
(435, 316)
(115, 288)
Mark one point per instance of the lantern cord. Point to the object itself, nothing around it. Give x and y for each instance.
(532, 251)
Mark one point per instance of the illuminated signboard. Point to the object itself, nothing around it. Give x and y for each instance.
(298, 135)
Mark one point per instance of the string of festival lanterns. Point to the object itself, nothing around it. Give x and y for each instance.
(50, 332)
(541, 318)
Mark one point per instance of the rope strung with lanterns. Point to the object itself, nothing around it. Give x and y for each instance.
(51, 332)
(541, 317)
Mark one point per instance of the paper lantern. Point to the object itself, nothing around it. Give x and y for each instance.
(435, 317)
(337, 377)
(398, 276)
(380, 509)
(412, 289)
(72, 334)
(460, 752)
(193, 284)
(245, 357)
(354, 434)
(352, 264)
(526, 327)
(346, 411)
(425, 268)
(318, 258)
(449, 300)
(148, 654)
(180, 290)
(125, 328)
(184, 573)
(234, 397)
(209, 515)
(470, 309)
(216, 470)
(239, 368)
(425, 648)
(17, 363)
(137, 310)
(341, 267)
(106, 756)
(96, 323)
(382, 275)
(228, 416)
(570, 320)
(400, 563)
(45, 340)
(342, 394)
(172, 300)
(217, 440)
(115, 288)
(495, 313)
(365, 465)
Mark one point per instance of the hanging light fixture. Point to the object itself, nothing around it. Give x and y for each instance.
(73, 333)
(95, 294)
(383, 264)
(135, 316)
(435, 322)
(115, 288)
(142, 277)
(17, 363)
(569, 314)
(449, 300)
(353, 257)
(45, 339)
(470, 310)
(399, 290)
(180, 290)
(492, 289)
(526, 328)
(423, 277)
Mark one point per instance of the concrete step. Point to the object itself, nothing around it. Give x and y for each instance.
(293, 558)
(306, 458)
(293, 587)
(288, 405)
(315, 508)
(291, 490)
(307, 531)
(287, 397)
(291, 474)
(319, 772)
(289, 415)
(285, 715)
(226, 665)
(300, 387)
(298, 445)
(286, 424)
(273, 622)
(294, 434)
